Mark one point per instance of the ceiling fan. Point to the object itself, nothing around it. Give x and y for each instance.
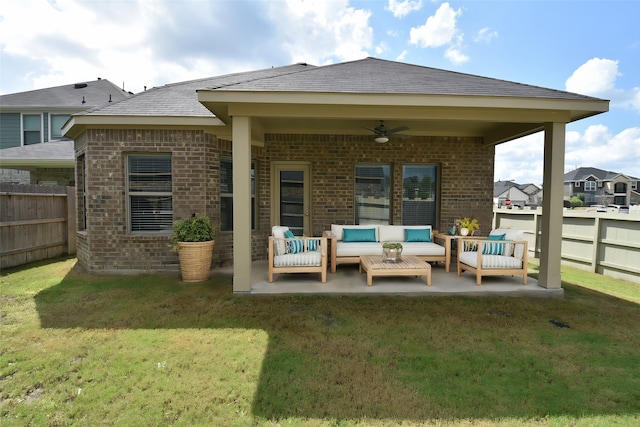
(382, 133)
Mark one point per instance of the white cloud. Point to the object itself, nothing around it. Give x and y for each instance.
(439, 29)
(596, 77)
(319, 31)
(522, 160)
(485, 35)
(150, 43)
(599, 148)
(400, 9)
(455, 55)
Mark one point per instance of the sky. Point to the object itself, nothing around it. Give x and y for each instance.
(582, 46)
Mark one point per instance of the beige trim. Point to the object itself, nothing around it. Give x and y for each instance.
(241, 199)
(552, 206)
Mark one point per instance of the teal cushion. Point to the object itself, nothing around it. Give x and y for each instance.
(493, 248)
(295, 245)
(417, 234)
(359, 235)
(496, 237)
(312, 245)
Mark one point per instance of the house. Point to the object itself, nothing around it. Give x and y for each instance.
(601, 187)
(31, 138)
(297, 145)
(518, 195)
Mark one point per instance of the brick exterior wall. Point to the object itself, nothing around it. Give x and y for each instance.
(466, 173)
(466, 186)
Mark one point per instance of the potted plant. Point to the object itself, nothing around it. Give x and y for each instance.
(391, 252)
(468, 226)
(193, 239)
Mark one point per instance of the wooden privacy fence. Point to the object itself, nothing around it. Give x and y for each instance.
(36, 222)
(605, 243)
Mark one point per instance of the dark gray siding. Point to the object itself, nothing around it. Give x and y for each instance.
(9, 130)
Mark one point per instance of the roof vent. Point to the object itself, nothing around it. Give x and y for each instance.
(80, 85)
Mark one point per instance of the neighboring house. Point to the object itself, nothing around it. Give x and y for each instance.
(518, 195)
(602, 187)
(293, 146)
(31, 122)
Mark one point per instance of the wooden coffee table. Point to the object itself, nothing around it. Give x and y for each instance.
(408, 266)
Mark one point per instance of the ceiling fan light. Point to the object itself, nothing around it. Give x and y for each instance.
(381, 139)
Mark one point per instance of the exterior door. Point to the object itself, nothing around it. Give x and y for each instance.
(292, 197)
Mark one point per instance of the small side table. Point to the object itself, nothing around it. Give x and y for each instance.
(448, 246)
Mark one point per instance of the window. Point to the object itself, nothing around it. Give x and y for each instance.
(149, 191)
(589, 186)
(226, 195)
(419, 194)
(31, 129)
(57, 121)
(620, 187)
(372, 191)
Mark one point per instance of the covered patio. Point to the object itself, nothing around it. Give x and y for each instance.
(347, 280)
(447, 113)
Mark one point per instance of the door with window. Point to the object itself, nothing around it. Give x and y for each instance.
(292, 197)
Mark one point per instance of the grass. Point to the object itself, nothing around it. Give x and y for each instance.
(78, 349)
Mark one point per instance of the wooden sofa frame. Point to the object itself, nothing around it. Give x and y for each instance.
(335, 260)
(322, 268)
(479, 271)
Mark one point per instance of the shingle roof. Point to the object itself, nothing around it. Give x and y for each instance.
(94, 93)
(59, 151)
(369, 75)
(372, 75)
(499, 187)
(582, 173)
(180, 99)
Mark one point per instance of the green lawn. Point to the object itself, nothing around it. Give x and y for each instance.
(77, 349)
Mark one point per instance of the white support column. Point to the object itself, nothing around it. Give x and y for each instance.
(241, 204)
(552, 206)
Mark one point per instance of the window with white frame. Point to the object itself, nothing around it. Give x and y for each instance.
(31, 129)
(226, 195)
(56, 121)
(372, 194)
(589, 186)
(149, 192)
(419, 194)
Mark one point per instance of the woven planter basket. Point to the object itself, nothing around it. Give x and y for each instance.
(195, 260)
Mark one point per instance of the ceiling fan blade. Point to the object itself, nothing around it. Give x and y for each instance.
(398, 129)
(400, 135)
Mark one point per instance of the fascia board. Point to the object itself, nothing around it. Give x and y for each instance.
(301, 98)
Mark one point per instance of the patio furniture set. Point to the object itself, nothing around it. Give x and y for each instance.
(502, 252)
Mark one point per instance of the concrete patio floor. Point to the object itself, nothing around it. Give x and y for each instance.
(348, 281)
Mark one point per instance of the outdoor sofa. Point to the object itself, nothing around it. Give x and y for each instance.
(349, 242)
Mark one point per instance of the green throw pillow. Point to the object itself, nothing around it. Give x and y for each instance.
(359, 235)
(417, 234)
